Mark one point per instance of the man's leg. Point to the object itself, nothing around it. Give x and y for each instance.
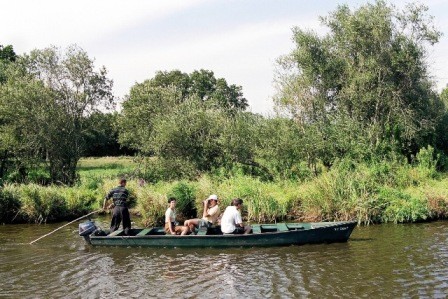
(126, 221)
(116, 219)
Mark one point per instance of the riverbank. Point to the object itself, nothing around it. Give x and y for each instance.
(374, 193)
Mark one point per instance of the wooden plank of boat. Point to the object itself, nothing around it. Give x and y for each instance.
(279, 234)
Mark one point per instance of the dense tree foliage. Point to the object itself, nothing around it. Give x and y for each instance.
(179, 116)
(44, 104)
(7, 56)
(101, 136)
(367, 76)
(163, 93)
(361, 92)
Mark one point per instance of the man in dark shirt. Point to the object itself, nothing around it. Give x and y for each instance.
(119, 196)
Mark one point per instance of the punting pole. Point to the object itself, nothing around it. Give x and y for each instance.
(65, 226)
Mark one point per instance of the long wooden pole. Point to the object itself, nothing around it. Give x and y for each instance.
(65, 226)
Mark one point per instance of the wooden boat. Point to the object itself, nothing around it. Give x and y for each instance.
(279, 234)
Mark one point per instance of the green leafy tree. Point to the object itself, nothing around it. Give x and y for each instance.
(7, 53)
(181, 117)
(163, 93)
(204, 137)
(441, 140)
(19, 139)
(7, 56)
(367, 75)
(101, 136)
(46, 101)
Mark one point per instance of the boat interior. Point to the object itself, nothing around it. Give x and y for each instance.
(215, 230)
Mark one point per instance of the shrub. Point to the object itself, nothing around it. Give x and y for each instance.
(402, 207)
(159, 169)
(151, 206)
(9, 204)
(185, 195)
(427, 161)
(79, 200)
(40, 204)
(39, 176)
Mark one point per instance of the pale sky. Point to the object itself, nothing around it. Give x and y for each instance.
(237, 40)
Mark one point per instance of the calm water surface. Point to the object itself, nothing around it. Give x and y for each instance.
(384, 261)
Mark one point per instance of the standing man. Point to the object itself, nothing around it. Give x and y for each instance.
(231, 222)
(119, 196)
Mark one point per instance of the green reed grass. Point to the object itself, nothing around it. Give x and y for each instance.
(386, 191)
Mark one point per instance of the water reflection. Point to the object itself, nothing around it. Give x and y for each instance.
(379, 261)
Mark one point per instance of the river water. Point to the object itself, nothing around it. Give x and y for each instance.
(383, 261)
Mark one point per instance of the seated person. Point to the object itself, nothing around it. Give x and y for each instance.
(170, 220)
(210, 214)
(231, 222)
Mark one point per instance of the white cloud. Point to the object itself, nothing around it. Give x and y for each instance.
(36, 24)
(244, 56)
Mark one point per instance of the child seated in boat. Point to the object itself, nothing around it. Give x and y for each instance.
(170, 220)
(210, 214)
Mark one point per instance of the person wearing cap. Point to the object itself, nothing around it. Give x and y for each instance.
(231, 221)
(170, 220)
(210, 214)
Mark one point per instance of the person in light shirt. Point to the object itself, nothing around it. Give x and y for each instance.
(210, 214)
(170, 220)
(231, 222)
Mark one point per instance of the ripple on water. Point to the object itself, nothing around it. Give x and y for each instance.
(379, 261)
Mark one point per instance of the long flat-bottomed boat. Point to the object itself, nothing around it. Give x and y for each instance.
(278, 234)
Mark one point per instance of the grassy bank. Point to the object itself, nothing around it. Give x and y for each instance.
(371, 193)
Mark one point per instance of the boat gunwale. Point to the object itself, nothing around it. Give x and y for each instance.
(257, 234)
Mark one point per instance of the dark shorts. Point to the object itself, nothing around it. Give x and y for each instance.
(238, 231)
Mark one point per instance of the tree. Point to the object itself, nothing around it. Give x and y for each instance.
(46, 99)
(101, 136)
(189, 118)
(166, 91)
(441, 140)
(7, 53)
(205, 137)
(7, 57)
(368, 75)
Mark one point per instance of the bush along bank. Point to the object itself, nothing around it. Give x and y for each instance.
(37, 204)
(377, 193)
(369, 193)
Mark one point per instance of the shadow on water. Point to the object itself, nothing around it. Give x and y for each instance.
(361, 239)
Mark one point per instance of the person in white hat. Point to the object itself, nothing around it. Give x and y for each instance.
(209, 216)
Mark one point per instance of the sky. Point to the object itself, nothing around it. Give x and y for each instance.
(239, 41)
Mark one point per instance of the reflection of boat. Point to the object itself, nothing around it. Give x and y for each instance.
(263, 235)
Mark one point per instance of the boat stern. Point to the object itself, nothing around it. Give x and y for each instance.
(86, 229)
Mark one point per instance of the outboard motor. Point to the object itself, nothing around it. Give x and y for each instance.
(86, 229)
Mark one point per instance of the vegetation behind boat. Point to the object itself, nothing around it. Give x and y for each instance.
(360, 146)
(369, 192)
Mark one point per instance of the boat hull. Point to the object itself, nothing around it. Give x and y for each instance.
(264, 235)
